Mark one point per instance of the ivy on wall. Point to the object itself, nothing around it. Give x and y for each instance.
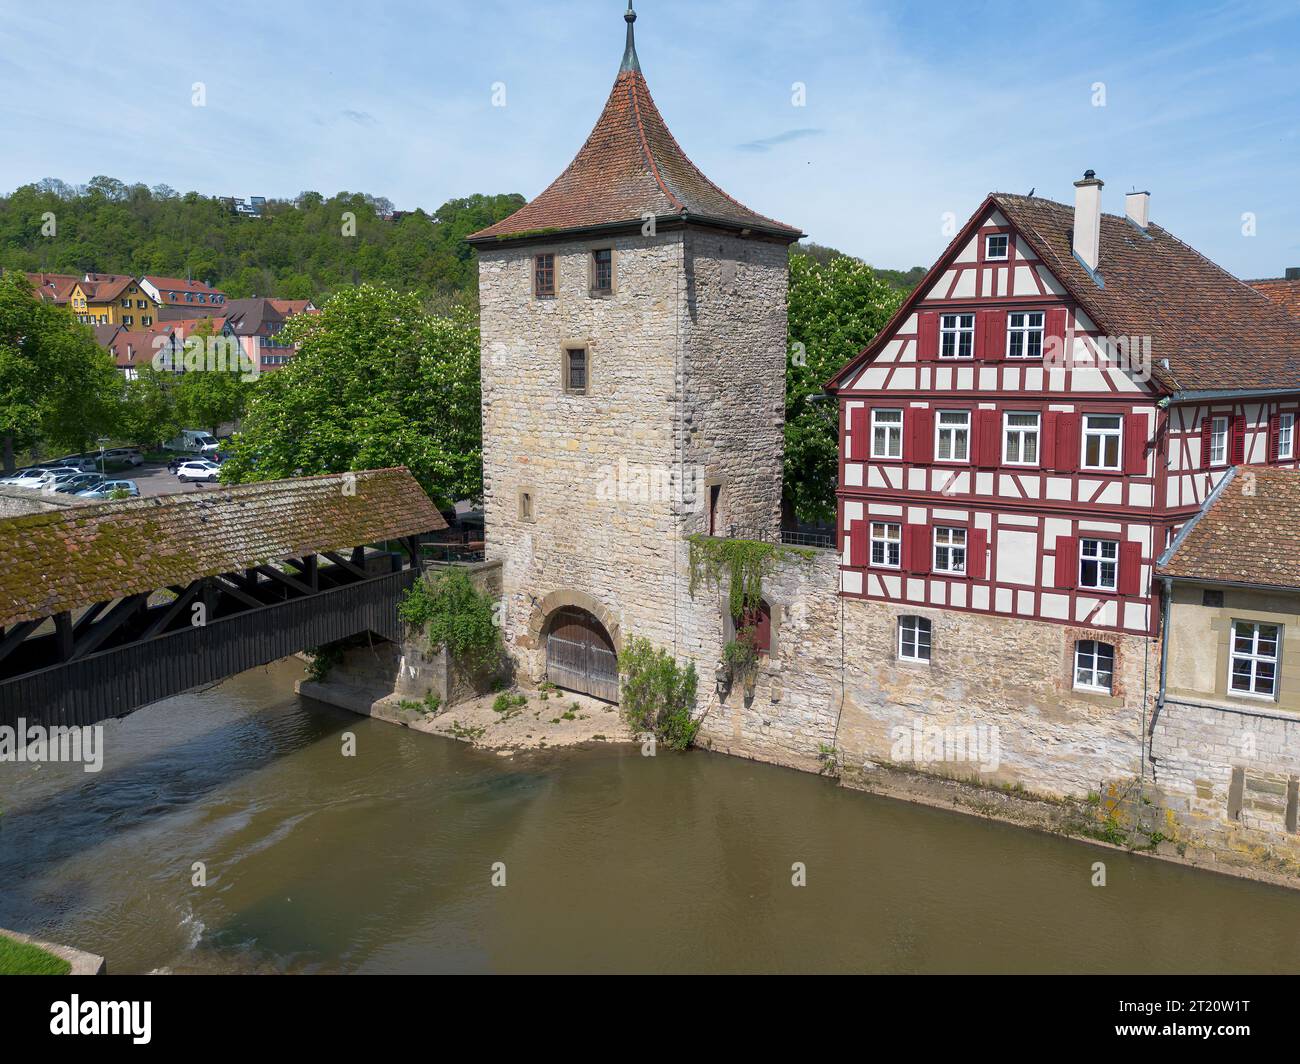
(745, 562)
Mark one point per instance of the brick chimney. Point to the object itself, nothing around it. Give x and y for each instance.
(1137, 205)
(1087, 219)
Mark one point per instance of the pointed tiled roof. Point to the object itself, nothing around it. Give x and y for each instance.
(630, 166)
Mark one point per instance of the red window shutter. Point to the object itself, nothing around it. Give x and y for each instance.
(920, 435)
(988, 439)
(1207, 431)
(1067, 443)
(992, 334)
(1135, 444)
(1274, 435)
(1054, 334)
(976, 553)
(1238, 439)
(858, 421)
(1067, 562)
(859, 547)
(919, 562)
(1047, 441)
(927, 337)
(1130, 568)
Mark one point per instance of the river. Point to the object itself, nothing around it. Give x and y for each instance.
(613, 862)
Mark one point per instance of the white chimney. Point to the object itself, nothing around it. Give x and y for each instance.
(1137, 205)
(1087, 219)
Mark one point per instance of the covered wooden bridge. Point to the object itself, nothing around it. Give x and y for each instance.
(109, 607)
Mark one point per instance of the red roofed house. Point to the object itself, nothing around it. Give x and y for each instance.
(178, 298)
(1284, 291)
(1057, 397)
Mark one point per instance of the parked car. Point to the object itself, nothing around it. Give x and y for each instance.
(107, 489)
(193, 441)
(201, 470)
(17, 474)
(78, 482)
(86, 463)
(128, 455)
(37, 477)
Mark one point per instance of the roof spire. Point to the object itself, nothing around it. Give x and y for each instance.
(630, 61)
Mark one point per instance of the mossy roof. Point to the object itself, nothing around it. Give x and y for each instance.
(63, 560)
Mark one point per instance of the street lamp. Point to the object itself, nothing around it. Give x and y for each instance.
(103, 442)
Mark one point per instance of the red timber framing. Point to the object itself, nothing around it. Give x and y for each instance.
(1062, 479)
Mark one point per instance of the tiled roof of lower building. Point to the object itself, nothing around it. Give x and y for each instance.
(57, 561)
(1248, 533)
(1283, 291)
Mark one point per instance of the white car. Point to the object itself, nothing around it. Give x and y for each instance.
(192, 471)
(129, 455)
(38, 477)
(109, 488)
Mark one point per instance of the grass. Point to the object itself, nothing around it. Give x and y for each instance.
(18, 958)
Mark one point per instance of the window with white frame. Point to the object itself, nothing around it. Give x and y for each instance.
(886, 544)
(1020, 439)
(1101, 433)
(1218, 441)
(957, 336)
(1254, 659)
(1286, 436)
(1094, 665)
(913, 639)
(949, 550)
(1099, 564)
(886, 434)
(995, 246)
(1025, 334)
(952, 442)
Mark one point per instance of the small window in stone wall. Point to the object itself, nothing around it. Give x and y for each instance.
(914, 636)
(576, 370)
(1094, 666)
(602, 272)
(544, 276)
(525, 506)
(1212, 599)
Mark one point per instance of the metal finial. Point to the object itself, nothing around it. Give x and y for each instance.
(630, 61)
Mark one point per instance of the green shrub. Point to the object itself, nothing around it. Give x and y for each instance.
(504, 703)
(454, 614)
(321, 660)
(658, 695)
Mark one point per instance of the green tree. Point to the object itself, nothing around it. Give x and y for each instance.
(213, 389)
(837, 306)
(377, 382)
(57, 386)
(148, 414)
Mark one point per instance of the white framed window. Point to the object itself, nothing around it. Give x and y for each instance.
(1253, 670)
(886, 434)
(1094, 665)
(1020, 439)
(1219, 441)
(1099, 564)
(1025, 334)
(1101, 434)
(996, 247)
(949, 550)
(886, 544)
(957, 336)
(913, 639)
(952, 436)
(1286, 436)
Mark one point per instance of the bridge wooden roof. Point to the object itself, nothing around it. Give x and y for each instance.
(51, 562)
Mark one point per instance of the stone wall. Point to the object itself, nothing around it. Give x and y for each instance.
(617, 477)
(17, 502)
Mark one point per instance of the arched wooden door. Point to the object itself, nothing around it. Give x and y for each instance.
(580, 655)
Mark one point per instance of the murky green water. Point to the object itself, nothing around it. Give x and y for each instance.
(383, 862)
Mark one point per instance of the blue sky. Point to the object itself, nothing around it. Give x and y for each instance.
(912, 109)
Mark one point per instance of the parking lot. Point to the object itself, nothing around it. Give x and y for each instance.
(155, 480)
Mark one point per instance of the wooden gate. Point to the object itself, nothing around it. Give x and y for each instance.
(580, 656)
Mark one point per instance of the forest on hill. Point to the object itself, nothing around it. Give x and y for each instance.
(306, 248)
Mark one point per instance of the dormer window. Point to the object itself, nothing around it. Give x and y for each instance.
(996, 247)
(544, 276)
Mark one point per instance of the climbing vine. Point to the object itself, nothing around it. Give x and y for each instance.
(453, 613)
(744, 561)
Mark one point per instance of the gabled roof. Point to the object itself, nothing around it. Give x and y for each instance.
(166, 285)
(61, 560)
(249, 317)
(53, 287)
(1247, 533)
(630, 166)
(104, 287)
(1218, 333)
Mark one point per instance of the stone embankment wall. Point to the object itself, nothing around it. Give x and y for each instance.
(17, 502)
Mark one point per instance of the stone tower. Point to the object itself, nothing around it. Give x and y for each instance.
(633, 366)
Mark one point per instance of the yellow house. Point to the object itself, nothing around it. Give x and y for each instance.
(113, 299)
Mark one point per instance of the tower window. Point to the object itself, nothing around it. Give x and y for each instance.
(525, 506)
(602, 272)
(544, 276)
(575, 370)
